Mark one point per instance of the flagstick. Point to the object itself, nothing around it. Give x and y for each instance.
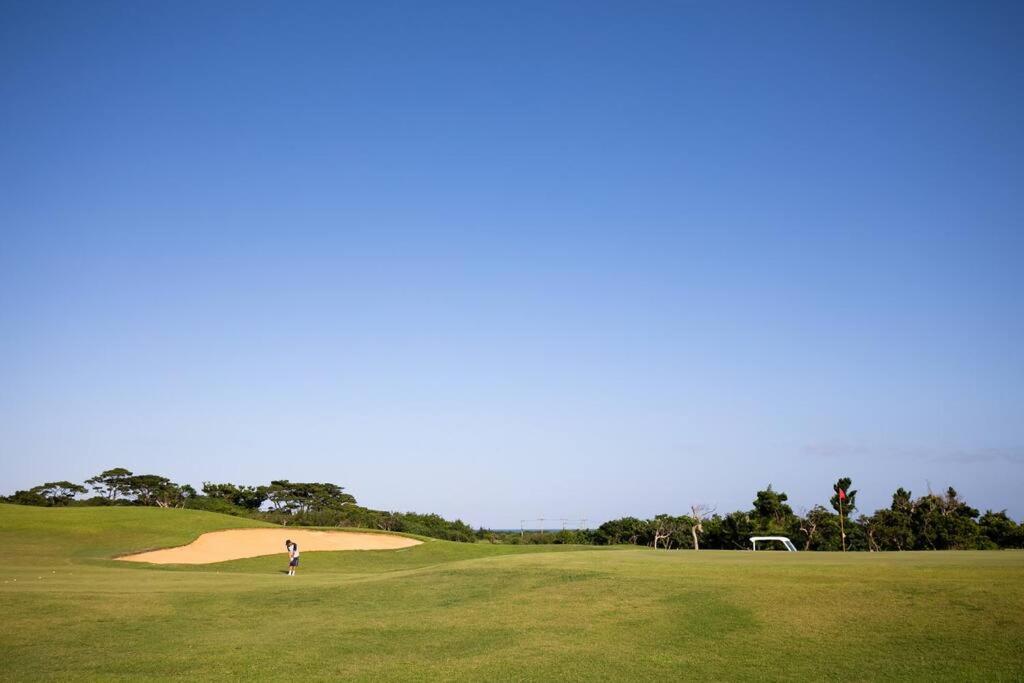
(842, 530)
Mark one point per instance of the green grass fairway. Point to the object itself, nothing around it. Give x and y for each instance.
(480, 612)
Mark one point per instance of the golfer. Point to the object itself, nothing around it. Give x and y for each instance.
(293, 556)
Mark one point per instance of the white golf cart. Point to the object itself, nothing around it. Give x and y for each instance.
(781, 539)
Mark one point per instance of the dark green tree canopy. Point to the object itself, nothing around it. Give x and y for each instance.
(850, 503)
(300, 497)
(58, 492)
(248, 497)
(111, 483)
(771, 512)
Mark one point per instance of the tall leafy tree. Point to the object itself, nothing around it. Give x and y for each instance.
(893, 528)
(844, 501)
(850, 499)
(301, 497)
(249, 497)
(153, 489)
(820, 529)
(59, 492)
(999, 529)
(736, 529)
(111, 483)
(771, 511)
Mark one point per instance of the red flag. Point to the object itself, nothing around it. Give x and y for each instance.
(842, 494)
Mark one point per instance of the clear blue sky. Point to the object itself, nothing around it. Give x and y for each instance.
(505, 260)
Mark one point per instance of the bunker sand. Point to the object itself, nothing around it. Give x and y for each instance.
(235, 544)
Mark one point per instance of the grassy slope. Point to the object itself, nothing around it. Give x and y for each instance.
(492, 612)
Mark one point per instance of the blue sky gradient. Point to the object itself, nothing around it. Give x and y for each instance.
(502, 261)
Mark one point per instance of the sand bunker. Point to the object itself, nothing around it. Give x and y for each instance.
(234, 544)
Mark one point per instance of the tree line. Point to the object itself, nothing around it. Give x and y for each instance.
(929, 522)
(281, 501)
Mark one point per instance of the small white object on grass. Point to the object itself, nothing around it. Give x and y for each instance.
(785, 541)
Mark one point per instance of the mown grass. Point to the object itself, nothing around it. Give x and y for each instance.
(455, 611)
